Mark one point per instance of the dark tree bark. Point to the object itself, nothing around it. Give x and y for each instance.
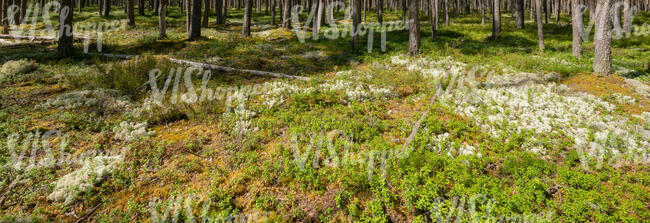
(540, 26)
(162, 16)
(219, 9)
(496, 19)
(603, 38)
(206, 14)
(404, 10)
(188, 16)
(414, 28)
(482, 5)
(286, 14)
(195, 28)
(356, 20)
(141, 7)
(4, 18)
(273, 12)
(380, 11)
(130, 13)
(65, 46)
(23, 10)
(519, 13)
(578, 27)
(446, 2)
(434, 19)
(107, 8)
(246, 30)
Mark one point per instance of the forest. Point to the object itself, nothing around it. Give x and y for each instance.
(324, 111)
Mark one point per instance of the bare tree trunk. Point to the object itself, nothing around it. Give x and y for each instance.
(540, 26)
(318, 20)
(273, 12)
(188, 15)
(434, 19)
(162, 16)
(414, 28)
(627, 20)
(65, 46)
(482, 3)
(107, 8)
(219, 9)
(496, 19)
(141, 7)
(5, 19)
(248, 10)
(404, 10)
(356, 20)
(519, 13)
(380, 11)
(603, 39)
(195, 28)
(129, 12)
(557, 11)
(286, 14)
(446, 2)
(206, 14)
(578, 27)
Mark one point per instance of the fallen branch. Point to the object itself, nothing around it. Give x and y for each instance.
(210, 67)
(87, 215)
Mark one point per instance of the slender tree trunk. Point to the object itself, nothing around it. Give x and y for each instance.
(286, 14)
(4, 18)
(404, 10)
(434, 19)
(380, 11)
(273, 12)
(519, 13)
(603, 38)
(162, 16)
(107, 8)
(206, 13)
(496, 19)
(195, 28)
(319, 19)
(627, 20)
(129, 12)
(446, 2)
(356, 20)
(219, 9)
(65, 47)
(540, 26)
(578, 27)
(557, 11)
(482, 3)
(141, 7)
(246, 30)
(414, 28)
(188, 15)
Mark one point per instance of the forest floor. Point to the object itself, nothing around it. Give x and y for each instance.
(506, 131)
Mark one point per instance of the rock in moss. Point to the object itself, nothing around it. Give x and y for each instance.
(13, 69)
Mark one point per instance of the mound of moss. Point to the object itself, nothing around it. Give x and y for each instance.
(12, 70)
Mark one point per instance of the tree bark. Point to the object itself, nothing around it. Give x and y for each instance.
(496, 19)
(540, 26)
(356, 20)
(318, 20)
(162, 16)
(129, 12)
(219, 9)
(414, 28)
(434, 19)
(206, 13)
(627, 20)
(578, 26)
(286, 14)
(195, 28)
(446, 2)
(3, 17)
(519, 13)
(380, 11)
(107, 8)
(273, 12)
(603, 38)
(141, 7)
(246, 30)
(65, 46)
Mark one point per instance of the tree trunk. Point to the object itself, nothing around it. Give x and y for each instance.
(519, 13)
(603, 38)
(141, 7)
(4, 18)
(246, 30)
(356, 20)
(162, 16)
(206, 14)
(219, 9)
(578, 27)
(414, 28)
(188, 15)
(380, 11)
(434, 19)
(557, 11)
(446, 2)
(273, 12)
(627, 20)
(286, 14)
(540, 26)
(65, 45)
(496, 19)
(195, 28)
(404, 10)
(107, 8)
(129, 12)
(482, 3)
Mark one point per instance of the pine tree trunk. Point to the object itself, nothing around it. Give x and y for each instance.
(188, 16)
(603, 38)
(3, 17)
(286, 14)
(578, 27)
(496, 19)
(195, 28)
(319, 19)
(65, 47)
(446, 2)
(129, 12)
(219, 9)
(434, 19)
(162, 16)
(107, 8)
(414, 28)
(380, 11)
(206, 14)
(540, 26)
(519, 13)
(273, 12)
(246, 30)
(356, 20)
(141, 7)
(627, 20)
